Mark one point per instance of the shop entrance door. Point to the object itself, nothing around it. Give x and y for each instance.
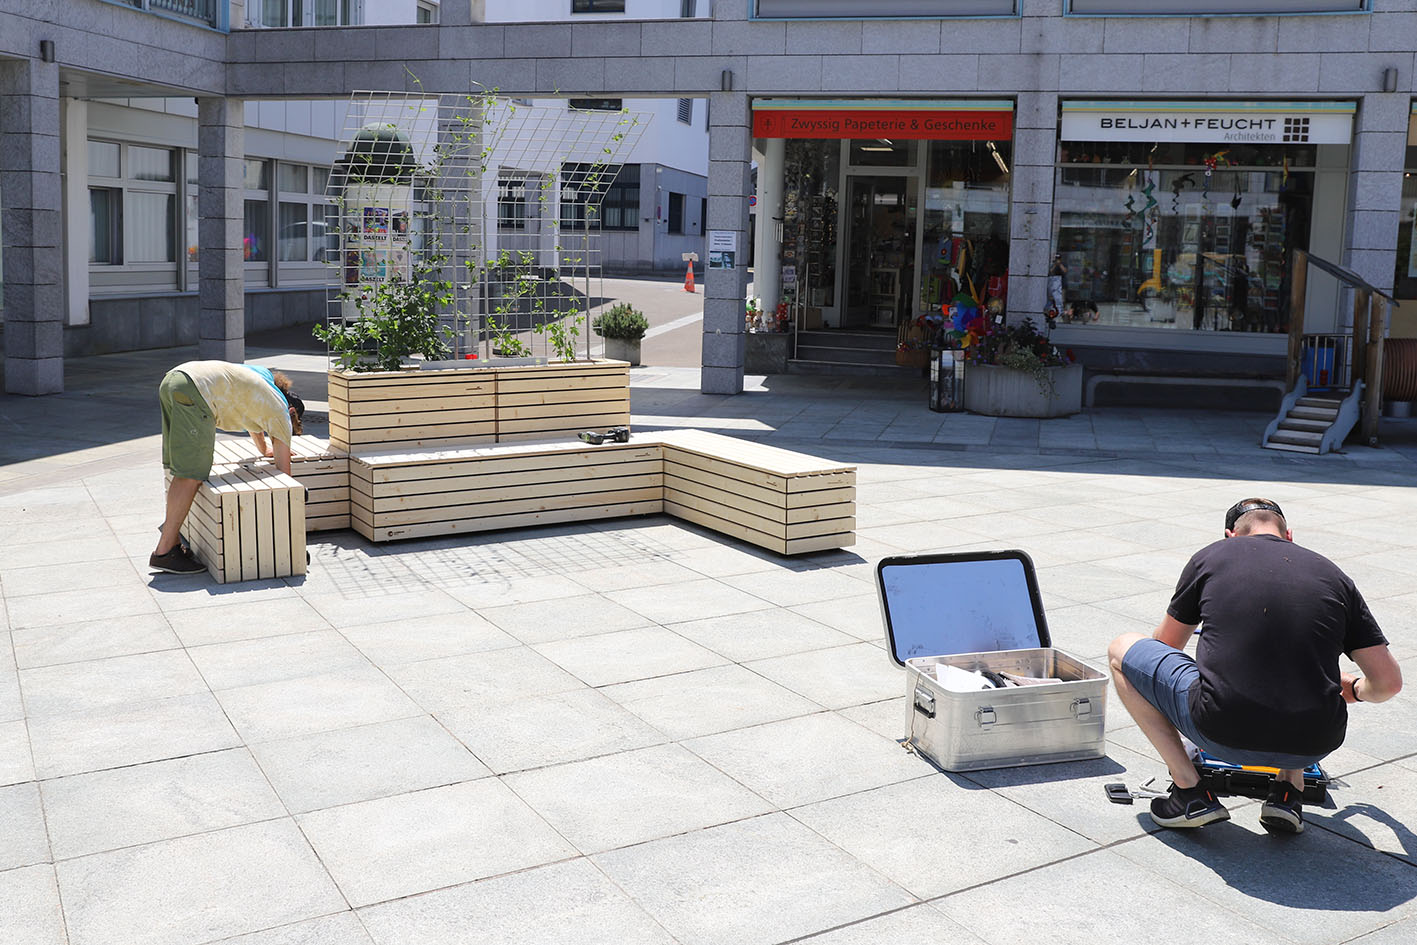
(879, 268)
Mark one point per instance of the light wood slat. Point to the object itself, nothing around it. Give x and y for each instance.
(775, 459)
(548, 491)
(729, 501)
(430, 435)
(397, 464)
(298, 530)
(265, 534)
(231, 537)
(433, 529)
(767, 525)
(526, 476)
(280, 539)
(376, 379)
(326, 523)
(710, 480)
(767, 479)
(431, 418)
(574, 395)
(802, 546)
(533, 505)
(558, 428)
(737, 530)
(366, 408)
(564, 411)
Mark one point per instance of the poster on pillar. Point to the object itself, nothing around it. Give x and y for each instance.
(722, 249)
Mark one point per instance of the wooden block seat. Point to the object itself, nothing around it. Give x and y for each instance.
(315, 464)
(397, 494)
(784, 501)
(248, 522)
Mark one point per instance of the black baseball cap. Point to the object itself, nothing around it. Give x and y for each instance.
(293, 399)
(1249, 505)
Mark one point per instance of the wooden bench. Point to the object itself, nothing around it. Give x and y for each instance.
(315, 464)
(784, 501)
(248, 522)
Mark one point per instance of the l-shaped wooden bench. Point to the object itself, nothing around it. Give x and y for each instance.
(787, 502)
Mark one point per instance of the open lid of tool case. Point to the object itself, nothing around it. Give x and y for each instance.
(962, 602)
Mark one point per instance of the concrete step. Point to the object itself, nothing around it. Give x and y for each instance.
(853, 340)
(1291, 448)
(1314, 413)
(1317, 401)
(1297, 438)
(844, 355)
(1306, 426)
(853, 369)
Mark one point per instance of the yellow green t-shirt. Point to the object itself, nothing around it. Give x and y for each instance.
(241, 398)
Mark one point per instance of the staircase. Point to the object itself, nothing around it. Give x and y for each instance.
(858, 353)
(1313, 423)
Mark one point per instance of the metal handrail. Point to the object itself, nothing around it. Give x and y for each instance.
(204, 11)
(1327, 359)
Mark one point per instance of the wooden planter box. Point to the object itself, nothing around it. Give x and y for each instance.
(997, 391)
(416, 409)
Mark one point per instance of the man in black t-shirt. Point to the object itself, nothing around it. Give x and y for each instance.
(1265, 686)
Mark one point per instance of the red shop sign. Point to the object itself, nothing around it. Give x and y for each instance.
(962, 125)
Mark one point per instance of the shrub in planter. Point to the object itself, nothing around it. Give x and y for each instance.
(621, 321)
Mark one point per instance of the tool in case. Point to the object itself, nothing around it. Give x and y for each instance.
(977, 612)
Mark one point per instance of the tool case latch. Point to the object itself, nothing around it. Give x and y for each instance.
(1082, 709)
(925, 702)
(985, 716)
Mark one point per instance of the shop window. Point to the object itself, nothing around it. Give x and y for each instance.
(1202, 7)
(105, 226)
(255, 230)
(151, 223)
(868, 9)
(1180, 236)
(597, 6)
(883, 152)
(686, 111)
(676, 213)
(965, 221)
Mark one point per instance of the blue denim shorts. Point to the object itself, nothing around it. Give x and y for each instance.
(1164, 676)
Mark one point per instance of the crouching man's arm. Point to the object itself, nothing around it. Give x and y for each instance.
(1173, 632)
(1381, 678)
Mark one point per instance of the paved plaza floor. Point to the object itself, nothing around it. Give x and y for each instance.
(637, 732)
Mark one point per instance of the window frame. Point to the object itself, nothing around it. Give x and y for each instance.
(908, 9)
(1147, 8)
(597, 6)
(121, 190)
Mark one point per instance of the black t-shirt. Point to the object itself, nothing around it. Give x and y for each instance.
(1276, 618)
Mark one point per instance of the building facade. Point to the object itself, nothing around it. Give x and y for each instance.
(1141, 168)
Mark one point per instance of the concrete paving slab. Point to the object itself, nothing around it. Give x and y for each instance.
(760, 634)
(627, 655)
(196, 889)
(16, 762)
(354, 610)
(648, 573)
(433, 637)
(25, 842)
(411, 843)
(948, 812)
(274, 659)
(822, 584)
(859, 616)
(1315, 888)
(922, 923)
(129, 734)
(110, 572)
(634, 796)
(341, 929)
(561, 618)
(312, 772)
(1377, 809)
(93, 640)
(811, 758)
(30, 910)
(711, 700)
(1124, 904)
(343, 699)
(123, 807)
(837, 677)
(65, 607)
(568, 726)
(690, 600)
(573, 902)
(11, 706)
(457, 682)
(95, 684)
(236, 619)
(768, 879)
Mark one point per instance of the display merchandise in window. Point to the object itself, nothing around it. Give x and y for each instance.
(1405, 279)
(1180, 236)
(809, 211)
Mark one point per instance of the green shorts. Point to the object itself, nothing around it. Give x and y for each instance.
(188, 428)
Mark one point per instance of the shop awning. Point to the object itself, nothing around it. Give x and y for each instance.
(904, 119)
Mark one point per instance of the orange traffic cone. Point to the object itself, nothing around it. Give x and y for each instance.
(689, 278)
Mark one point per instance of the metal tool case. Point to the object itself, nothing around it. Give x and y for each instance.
(982, 611)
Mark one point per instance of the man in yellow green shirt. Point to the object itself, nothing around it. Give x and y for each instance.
(198, 398)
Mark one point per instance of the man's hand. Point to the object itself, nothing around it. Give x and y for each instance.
(1348, 679)
(262, 447)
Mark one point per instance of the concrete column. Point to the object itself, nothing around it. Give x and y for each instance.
(1031, 225)
(1375, 198)
(767, 269)
(31, 227)
(221, 331)
(725, 290)
(75, 147)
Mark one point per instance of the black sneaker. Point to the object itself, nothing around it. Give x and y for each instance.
(177, 561)
(1283, 810)
(1188, 807)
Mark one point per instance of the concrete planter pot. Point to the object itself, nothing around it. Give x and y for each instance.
(996, 391)
(765, 352)
(623, 349)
